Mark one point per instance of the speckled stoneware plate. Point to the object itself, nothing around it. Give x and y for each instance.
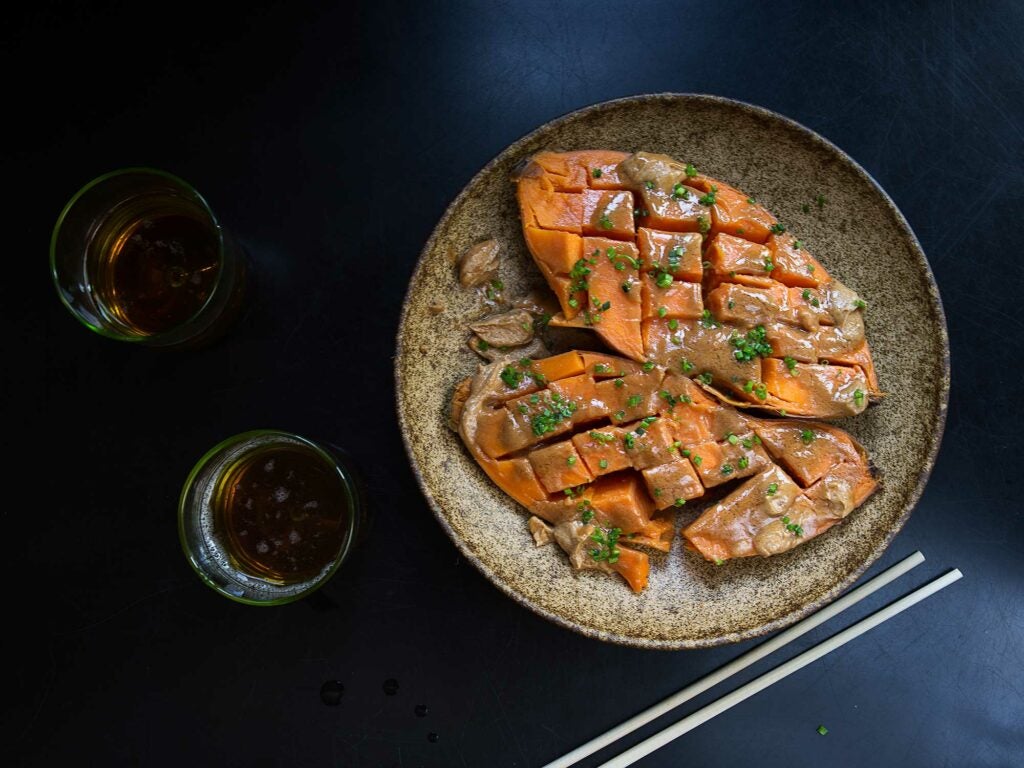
(860, 237)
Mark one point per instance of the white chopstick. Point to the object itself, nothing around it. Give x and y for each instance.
(704, 714)
(739, 664)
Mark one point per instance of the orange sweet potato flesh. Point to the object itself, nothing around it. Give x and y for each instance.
(604, 442)
(669, 265)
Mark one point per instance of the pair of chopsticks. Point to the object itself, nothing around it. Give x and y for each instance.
(704, 714)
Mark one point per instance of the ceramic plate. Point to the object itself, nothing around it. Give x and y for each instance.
(860, 237)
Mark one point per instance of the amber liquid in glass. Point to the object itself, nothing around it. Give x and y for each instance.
(281, 513)
(154, 273)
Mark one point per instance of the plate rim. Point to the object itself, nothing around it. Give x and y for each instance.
(842, 585)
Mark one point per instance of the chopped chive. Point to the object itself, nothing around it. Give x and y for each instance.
(571, 460)
(807, 436)
(603, 463)
(773, 488)
(597, 173)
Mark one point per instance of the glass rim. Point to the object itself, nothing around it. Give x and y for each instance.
(241, 437)
(144, 170)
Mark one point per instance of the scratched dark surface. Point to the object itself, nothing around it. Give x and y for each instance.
(331, 141)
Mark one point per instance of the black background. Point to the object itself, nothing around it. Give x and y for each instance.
(330, 140)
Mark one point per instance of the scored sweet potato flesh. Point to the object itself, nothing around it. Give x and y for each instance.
(599, 446)
(668, 265)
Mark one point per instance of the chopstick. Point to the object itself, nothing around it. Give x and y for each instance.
(704, 714)
(738, 664)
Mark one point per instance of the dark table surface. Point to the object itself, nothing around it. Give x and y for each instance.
(308, 126)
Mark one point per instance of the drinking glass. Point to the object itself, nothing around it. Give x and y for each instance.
(266, 517)
(137, 255)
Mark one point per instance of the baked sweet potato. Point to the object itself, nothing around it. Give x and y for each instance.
(602, 450)
(668, 265)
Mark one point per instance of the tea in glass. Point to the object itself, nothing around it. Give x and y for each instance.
(138, 255)
(266, 517)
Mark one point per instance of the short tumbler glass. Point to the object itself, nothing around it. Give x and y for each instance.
(137, 255)
(266, 517)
